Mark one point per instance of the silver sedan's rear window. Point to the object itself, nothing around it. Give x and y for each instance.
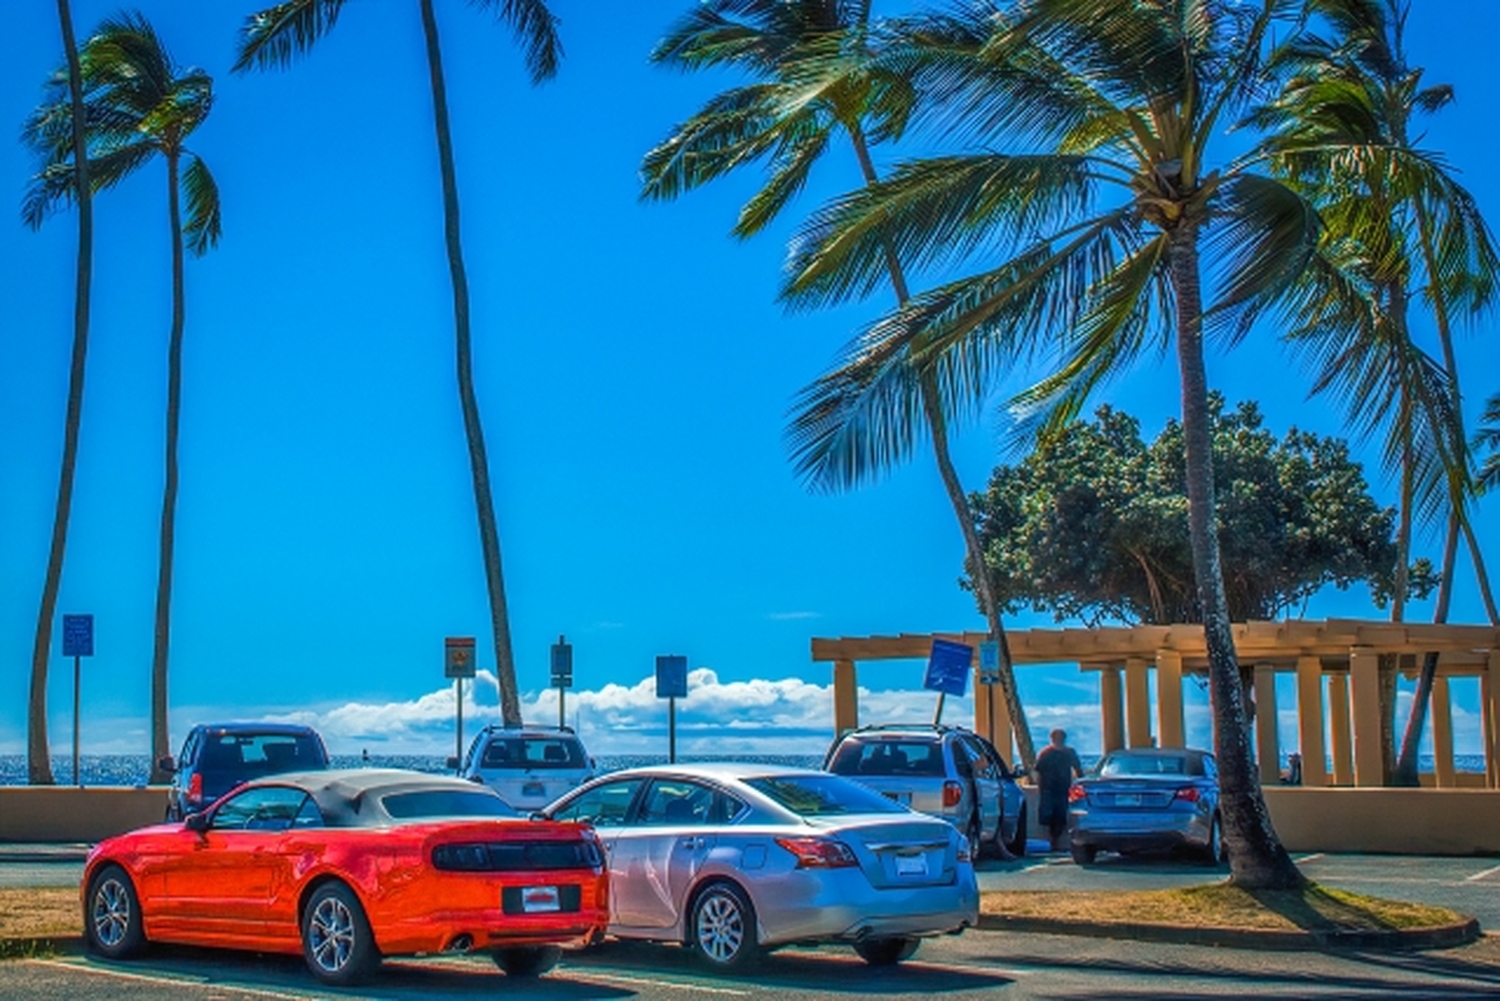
(1117, 765)
(822, 795)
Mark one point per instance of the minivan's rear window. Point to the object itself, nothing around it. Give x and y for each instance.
(254, 754)
(884, 756)
(823, 795)
(533, 752)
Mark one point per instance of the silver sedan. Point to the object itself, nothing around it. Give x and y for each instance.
(735, 859)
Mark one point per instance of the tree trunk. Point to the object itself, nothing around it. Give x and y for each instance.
(1257, 858)
(489, 537)
(932, 410)
(38, 753)
(160, 734)
(1407, 773)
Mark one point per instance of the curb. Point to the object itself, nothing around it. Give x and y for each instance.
(1438, 937)
(31, 858)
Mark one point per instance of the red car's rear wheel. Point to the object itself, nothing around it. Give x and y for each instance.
(336, 937)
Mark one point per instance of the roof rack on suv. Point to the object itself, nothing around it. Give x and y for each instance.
(526, 726)
(934, 727)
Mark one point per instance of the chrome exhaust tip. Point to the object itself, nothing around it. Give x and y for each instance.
(462, 943)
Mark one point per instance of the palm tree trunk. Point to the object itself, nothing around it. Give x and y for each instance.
(1257, 858)
(489, 537)
(160, 735)
(38, 753)
(937, 427)
(1406, 772)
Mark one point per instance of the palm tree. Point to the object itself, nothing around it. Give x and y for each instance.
(139, 104)
(1107, 224)
(277, 35)
(38, 754)
(1344, 126)
(791, 115)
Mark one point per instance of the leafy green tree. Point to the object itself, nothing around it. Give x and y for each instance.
(1345, 132)
(140, 105)
(1105, 206)
(789, 115)
(274, 37)
(38, 753)
(1092, 524)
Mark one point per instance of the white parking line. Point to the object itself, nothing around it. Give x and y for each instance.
(147, 978)
(1308, 858)
(608, 979)
(1480, 875)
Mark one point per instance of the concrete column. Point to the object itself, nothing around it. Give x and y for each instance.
(1441, 711)
(1490, 693)
(1137, 702)
(1364, 691)
(1112, 708)
(1338, 720)
(1169, 699)
(1310, 721)
(1267, 746)
(845, 697)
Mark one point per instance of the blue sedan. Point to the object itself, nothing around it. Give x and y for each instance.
(1147, 799)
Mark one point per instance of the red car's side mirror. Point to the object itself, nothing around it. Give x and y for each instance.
(196, 822)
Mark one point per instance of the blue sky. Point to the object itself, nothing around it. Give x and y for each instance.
(633, 367)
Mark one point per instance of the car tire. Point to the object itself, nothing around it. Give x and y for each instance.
(336, 938)
(1213, 852)
(112, 924)
(527, 961)
(887, 951)
(1017, 845)
(976, 843)
(723, 928)
(1084, 854)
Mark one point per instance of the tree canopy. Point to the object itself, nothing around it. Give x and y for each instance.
(1093, 523)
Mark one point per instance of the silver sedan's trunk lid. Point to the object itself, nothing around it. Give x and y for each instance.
(898, 852)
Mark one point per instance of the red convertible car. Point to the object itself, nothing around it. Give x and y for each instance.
(346, 867)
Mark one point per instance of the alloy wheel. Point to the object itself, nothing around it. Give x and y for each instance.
(720, 927)
(331, 934)
(111, 912)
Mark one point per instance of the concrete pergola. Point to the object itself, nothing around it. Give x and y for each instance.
(1347, 651)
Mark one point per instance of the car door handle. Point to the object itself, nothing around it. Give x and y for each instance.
(691, 842)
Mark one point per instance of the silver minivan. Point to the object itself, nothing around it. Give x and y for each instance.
(528, 766)
(944, 771)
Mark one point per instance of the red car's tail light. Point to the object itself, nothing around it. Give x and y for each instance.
(1076, 793)
(819, 853)
(1188, 794)
(517, 856)
(195, 788)
(952, 794)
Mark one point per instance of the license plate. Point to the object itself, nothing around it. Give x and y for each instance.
(911, 865)
(1128, 799)
(535, 899)
(904, 798)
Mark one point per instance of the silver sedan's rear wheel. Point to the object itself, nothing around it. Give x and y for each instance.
(723, 927)
(112, 915)
(336, 938)
(886, 951)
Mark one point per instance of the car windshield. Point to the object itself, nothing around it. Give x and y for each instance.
(1121, 765)
(887, 756)
(822, 795)
(533, 752)
(430, 803)
(252, 754)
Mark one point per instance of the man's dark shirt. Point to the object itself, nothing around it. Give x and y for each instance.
(1054, 774)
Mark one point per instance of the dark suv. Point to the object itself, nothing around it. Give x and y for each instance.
(216, 757)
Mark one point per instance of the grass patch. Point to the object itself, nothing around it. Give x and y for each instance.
(1312, 908)
(29, 914)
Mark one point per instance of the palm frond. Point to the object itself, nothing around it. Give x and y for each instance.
(535, 28)
(733, 129)
(276, 36)
(1487, 439)
(1263, 237)
(201, 195)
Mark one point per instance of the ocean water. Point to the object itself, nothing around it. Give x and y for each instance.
(132, 769)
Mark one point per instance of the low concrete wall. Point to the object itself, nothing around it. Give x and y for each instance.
(1396, 821)
(66, 813)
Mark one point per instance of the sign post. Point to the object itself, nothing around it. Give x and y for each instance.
(671, 684)
(458, 664)
(989, 677)
(562, 675)
(78, 642)
(947, 672)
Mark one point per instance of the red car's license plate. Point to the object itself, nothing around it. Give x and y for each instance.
(540, 898)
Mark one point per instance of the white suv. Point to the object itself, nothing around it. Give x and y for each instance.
(528, 766)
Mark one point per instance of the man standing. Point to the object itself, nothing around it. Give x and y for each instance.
(1056, 768)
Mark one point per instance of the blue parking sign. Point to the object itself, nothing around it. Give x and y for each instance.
(989, 663)
(78, 635)
(948, 667)
(671, 677)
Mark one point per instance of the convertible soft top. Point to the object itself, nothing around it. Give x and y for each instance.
(350, 797)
